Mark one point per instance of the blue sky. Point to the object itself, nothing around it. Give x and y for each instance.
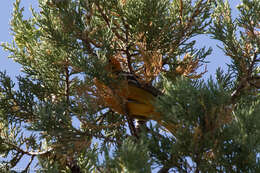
(217, 59)
(6, 8)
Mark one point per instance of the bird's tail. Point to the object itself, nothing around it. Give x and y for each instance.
(170, 127)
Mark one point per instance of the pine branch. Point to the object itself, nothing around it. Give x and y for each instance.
(106, 19)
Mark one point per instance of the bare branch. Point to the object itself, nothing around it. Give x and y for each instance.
(31, 153)
(29, 164)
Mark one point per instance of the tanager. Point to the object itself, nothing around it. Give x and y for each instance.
(130, 97)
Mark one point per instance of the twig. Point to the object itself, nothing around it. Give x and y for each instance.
(67, 84)
(108, 23)
(128, 57)
(72, 164)
(131, 126)
(28, 166)
(100, 127)
(181, 11)
(163, 170)
(88, 46)
(250, 70)
(31, 153)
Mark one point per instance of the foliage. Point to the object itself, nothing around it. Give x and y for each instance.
(62, 99)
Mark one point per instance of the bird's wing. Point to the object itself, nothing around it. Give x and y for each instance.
(133, 80)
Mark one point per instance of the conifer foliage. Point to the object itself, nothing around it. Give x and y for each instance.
(117, 86)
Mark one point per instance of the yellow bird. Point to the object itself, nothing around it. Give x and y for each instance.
(130, 97)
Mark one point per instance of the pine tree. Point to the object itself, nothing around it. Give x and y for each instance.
(92, 68)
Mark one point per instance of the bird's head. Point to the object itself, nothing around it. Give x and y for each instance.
(114, 65)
